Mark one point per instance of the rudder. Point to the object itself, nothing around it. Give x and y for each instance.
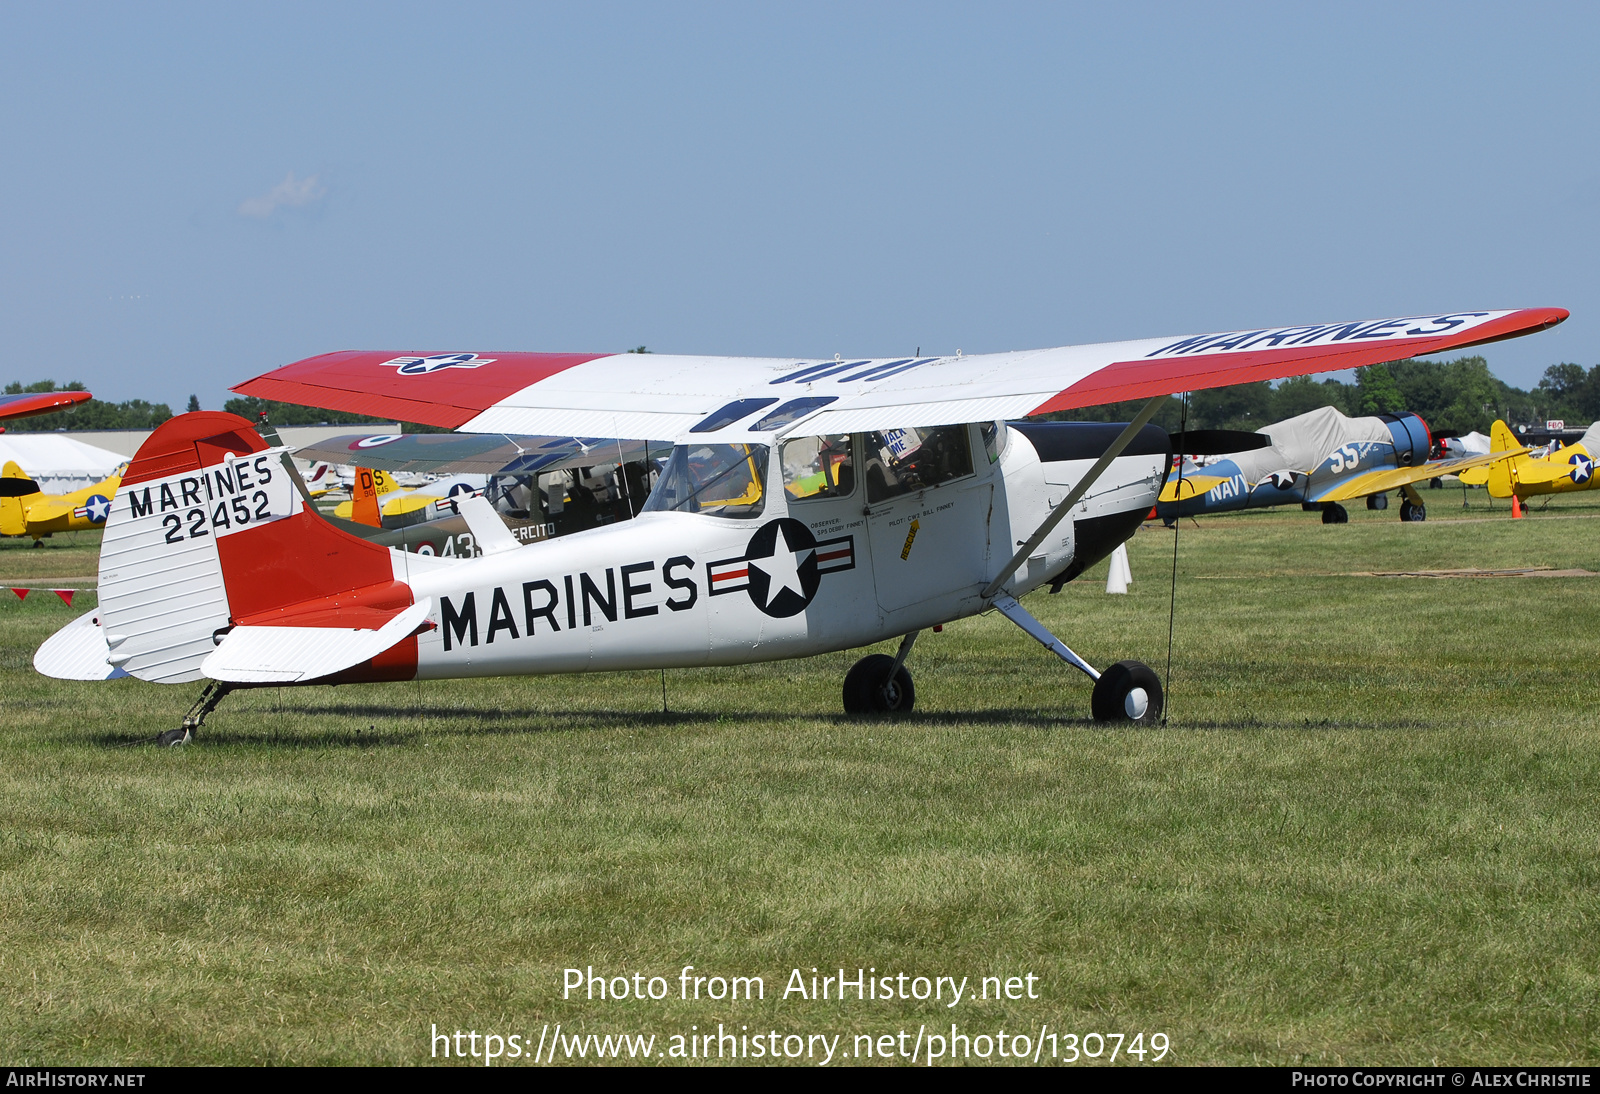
(208, 533)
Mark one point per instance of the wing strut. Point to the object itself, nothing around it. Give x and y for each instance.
(1041, 634)
(1124, 438)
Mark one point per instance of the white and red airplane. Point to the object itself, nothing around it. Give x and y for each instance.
(808, 506)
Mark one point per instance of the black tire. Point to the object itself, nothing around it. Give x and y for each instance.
(1334, 513)
(1115, 696)
(1378, 501)
(1411, 512)
(867, 689)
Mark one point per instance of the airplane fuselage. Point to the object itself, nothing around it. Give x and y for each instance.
(672, 589)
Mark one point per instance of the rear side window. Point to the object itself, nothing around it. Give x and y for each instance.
(902, 461)
(818, 467)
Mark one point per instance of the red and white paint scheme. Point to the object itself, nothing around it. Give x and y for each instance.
(808, 506)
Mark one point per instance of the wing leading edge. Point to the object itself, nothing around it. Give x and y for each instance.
(666, 396)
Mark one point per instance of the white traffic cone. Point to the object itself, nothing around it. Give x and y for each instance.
(1119, 576)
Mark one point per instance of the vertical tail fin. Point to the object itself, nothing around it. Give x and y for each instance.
(364, 507)
(1502, 473)
(207, 533)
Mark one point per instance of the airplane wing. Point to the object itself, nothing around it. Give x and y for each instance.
(476, 454)
(664, 396)
(1376, 482)
(39, 402)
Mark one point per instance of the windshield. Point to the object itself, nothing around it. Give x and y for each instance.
(723, 480)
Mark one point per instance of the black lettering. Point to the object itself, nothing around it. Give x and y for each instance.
(174, 529)
(191, 491)
(139, 504)
(500, 617)
(263, 469)
(460, 625)
(263, 510)
(241, 510)
(197, 523)
(683, 584)
(241, 472)
(224, 477)
(548, 611)
(630, 590)
(219, 516)
(572, 606)
(591, 594)
(168, 501)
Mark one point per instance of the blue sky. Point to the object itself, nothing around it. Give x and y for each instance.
(194, 194)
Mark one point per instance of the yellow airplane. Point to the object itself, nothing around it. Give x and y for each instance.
(1559, 472)
(375, 496)
(26, 511)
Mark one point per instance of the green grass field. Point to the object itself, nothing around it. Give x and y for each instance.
(1368, 835)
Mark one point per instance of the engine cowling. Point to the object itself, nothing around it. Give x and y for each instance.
(1412, 439)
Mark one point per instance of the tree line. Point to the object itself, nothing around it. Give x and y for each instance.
(1453, 397)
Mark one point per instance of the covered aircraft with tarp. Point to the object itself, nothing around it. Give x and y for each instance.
(1317, 460)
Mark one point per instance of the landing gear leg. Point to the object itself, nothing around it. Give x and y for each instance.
(209, 698)
(880, 684)
(1126, 692)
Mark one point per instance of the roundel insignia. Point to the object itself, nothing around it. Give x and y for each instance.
(1582, 467)
(782, 567)
(782, 560)
(97, 508)
(374, 442)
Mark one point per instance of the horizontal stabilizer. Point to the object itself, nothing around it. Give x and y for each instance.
(1535, 472)
(77, 651)
(290, 655)
(17, 488)
(1218, 442)
(487, 528)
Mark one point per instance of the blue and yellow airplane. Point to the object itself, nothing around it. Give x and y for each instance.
(1318, 460)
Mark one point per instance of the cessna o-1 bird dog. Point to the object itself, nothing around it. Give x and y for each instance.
(808, 506)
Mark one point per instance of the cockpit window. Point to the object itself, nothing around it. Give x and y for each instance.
(818, 467)
(723, 480)
(901, 461)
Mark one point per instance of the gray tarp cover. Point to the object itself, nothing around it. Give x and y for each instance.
(1301, 443)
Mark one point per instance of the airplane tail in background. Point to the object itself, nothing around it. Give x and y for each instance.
(213, 566)
(14, 486)
(1502, 473)
(364, 508)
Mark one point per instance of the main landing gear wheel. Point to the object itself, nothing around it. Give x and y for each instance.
(1410, 511)
(1128, 691)
(868, 689)
(1334, 513)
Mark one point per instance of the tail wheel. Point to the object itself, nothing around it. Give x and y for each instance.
(1409, 511)
(1334, 513)
(869, 690)
(1128, 691)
